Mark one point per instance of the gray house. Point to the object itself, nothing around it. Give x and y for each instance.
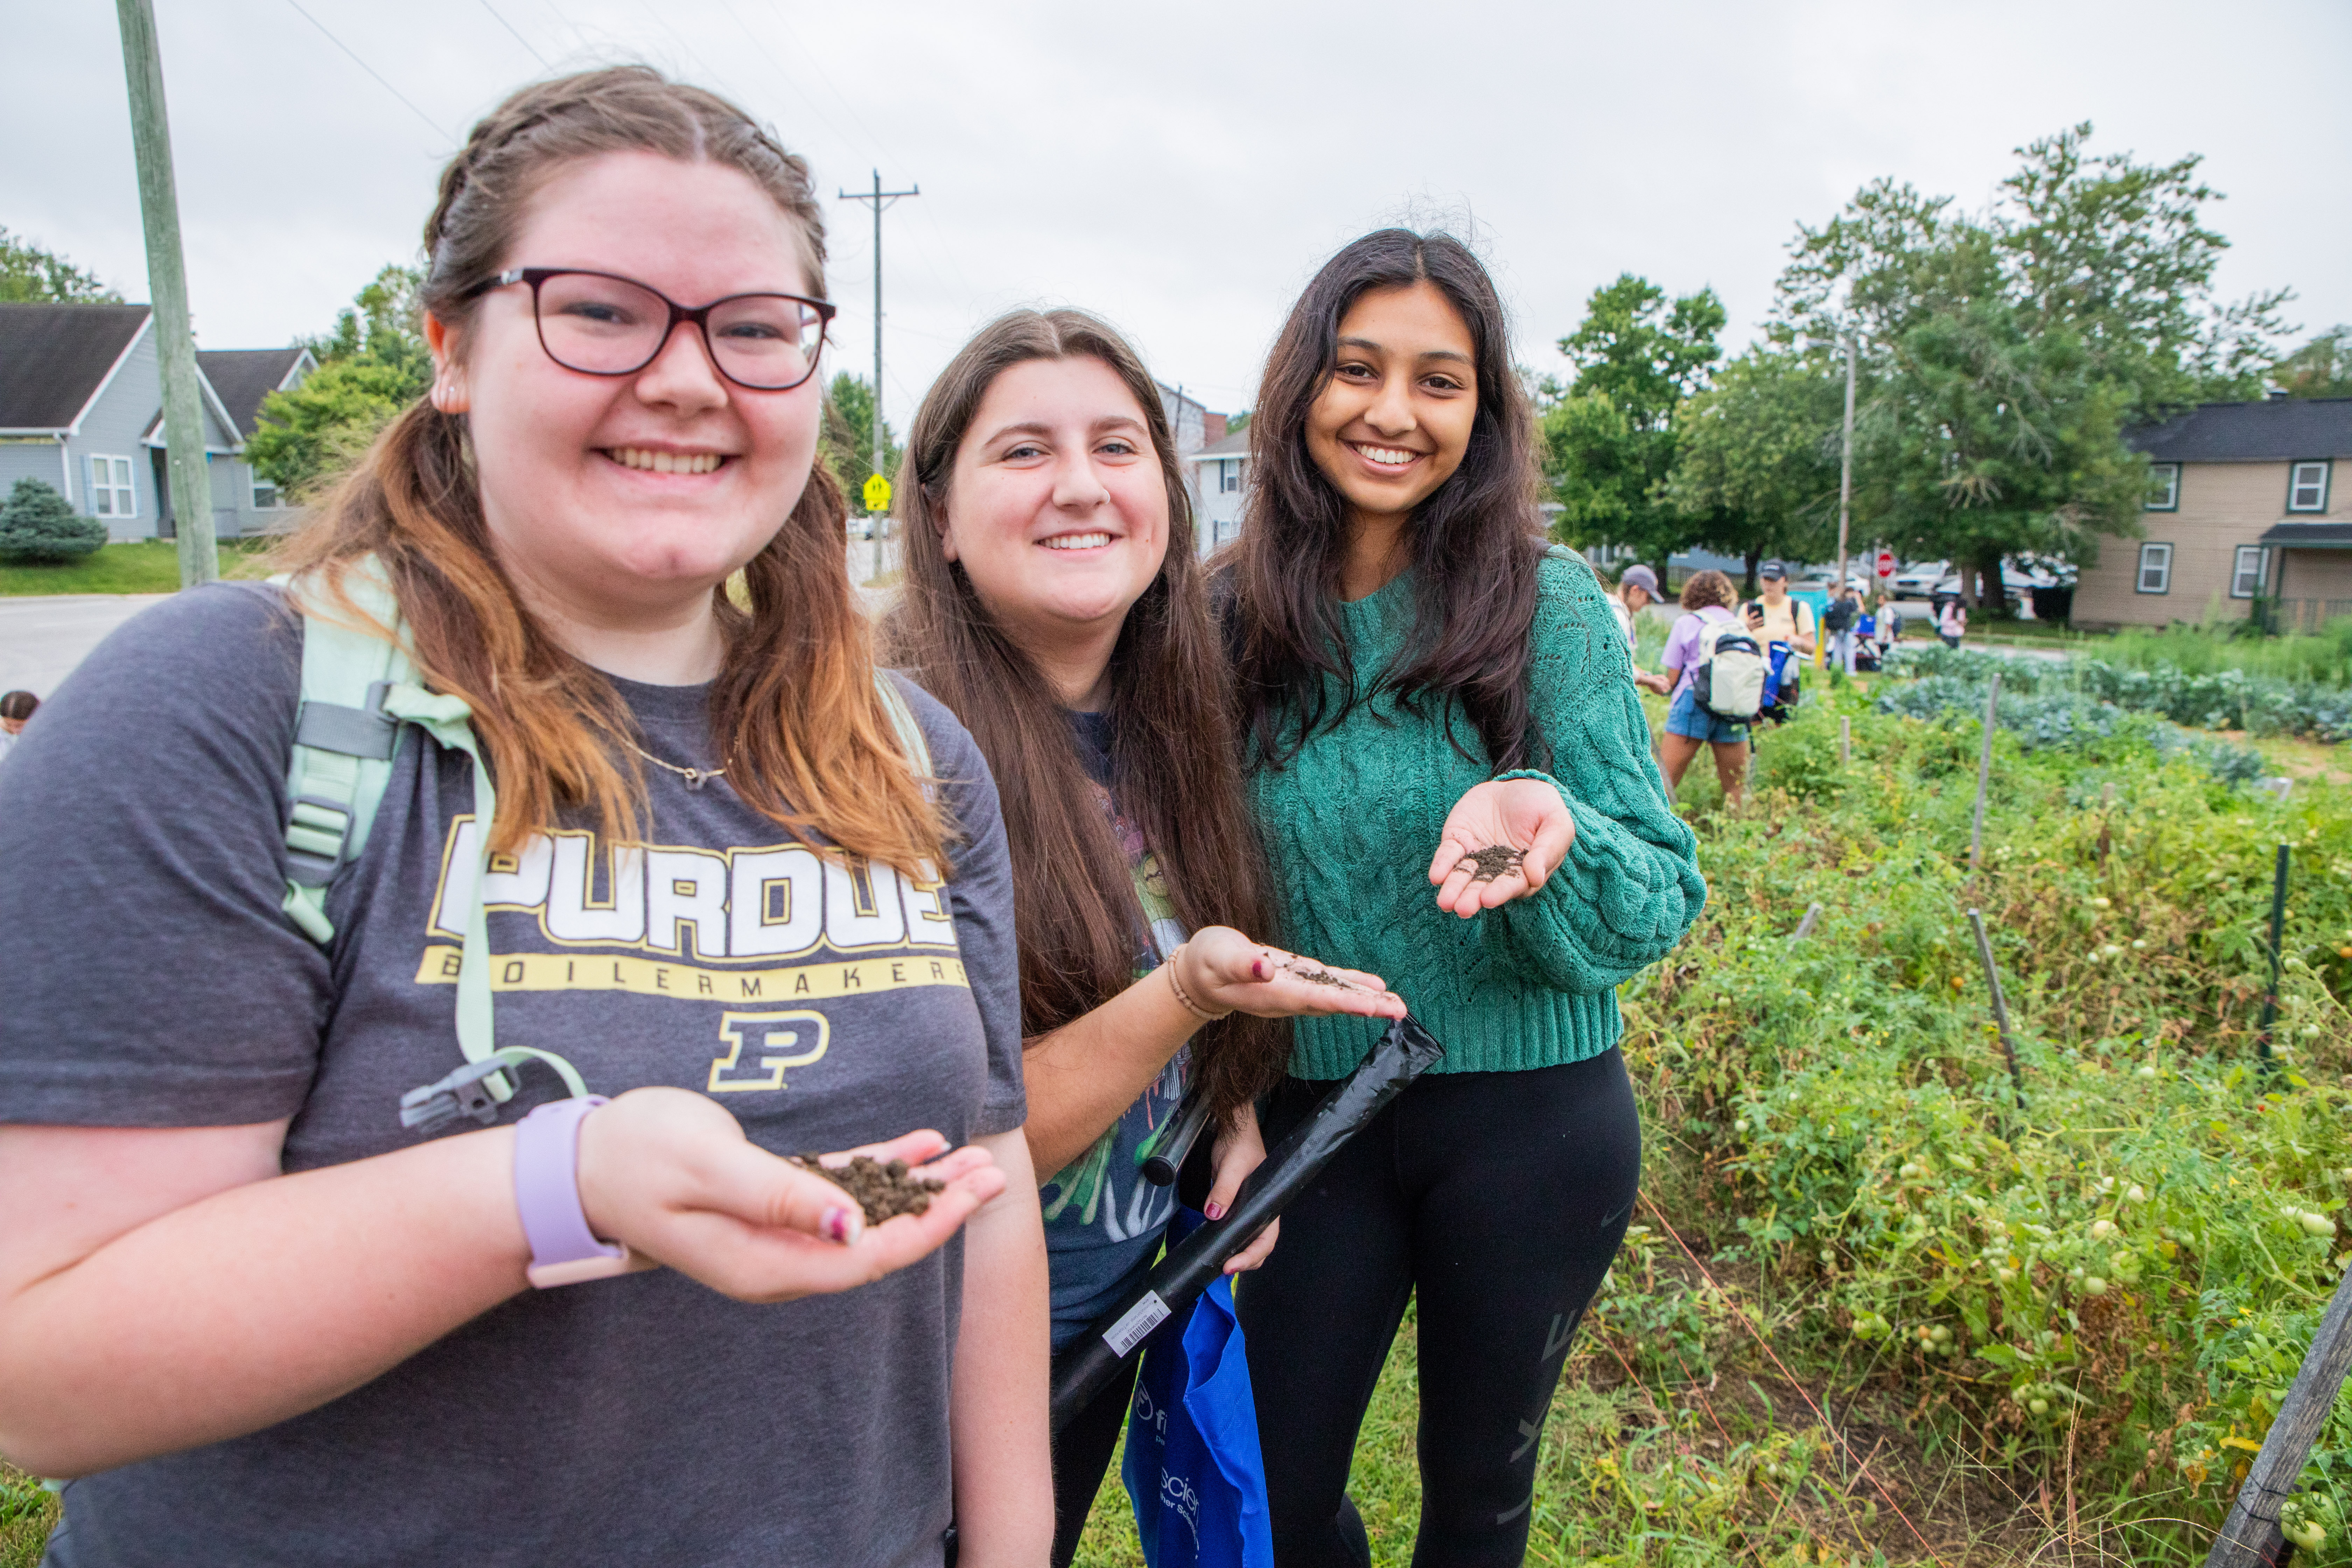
(82, 409)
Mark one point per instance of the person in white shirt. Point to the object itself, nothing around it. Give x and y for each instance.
(1952, 622)
(1637, 590)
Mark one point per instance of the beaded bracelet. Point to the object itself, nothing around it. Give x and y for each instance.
(1168, 969)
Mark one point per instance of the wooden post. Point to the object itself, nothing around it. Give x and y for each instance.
(2000, 1005)
(167, 280)
(1845, 740)
(2250, 1537)
(2278, 925)
(1805, 927)
(1984, 773)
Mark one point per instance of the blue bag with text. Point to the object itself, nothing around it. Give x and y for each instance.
(1192, 1468)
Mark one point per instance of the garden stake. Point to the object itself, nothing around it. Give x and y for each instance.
(1999, 1007)
(1805, 927)
(2250, 1537)
(1845, 740)
(1984, 777)
(2278, 924)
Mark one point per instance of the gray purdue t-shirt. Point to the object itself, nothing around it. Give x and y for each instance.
(150, 981)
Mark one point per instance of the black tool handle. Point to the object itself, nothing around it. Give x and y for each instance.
(1403, 1054)
(1167, 1155)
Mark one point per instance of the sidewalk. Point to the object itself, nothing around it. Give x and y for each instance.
(42, 638)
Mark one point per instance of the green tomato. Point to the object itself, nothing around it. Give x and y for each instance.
(2095, 1286)
(2309, 1534)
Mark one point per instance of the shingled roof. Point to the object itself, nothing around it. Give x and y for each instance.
(54, 358)
(241, 378)
(2277, 430)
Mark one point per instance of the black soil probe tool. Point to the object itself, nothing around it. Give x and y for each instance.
(1403, 1054)
(1175, 1145)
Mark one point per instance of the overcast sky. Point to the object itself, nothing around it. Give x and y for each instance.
(1183, 168)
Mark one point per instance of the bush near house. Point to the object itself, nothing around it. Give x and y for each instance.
(39, 526)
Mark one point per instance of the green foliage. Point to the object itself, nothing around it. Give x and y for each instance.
(1758, 459)
(2007, 351)
(128, 566)
(1610, 442)
(2223, 698)
(848, 437)
(2321, 368)
(32, 275)
(28, 1511)
(37, 525)
(2323, 660)
(373, 365)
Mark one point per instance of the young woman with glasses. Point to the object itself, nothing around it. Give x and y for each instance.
(261, 1321)
(1054, 603)
(1453, 773)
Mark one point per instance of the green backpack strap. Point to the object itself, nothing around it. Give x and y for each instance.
(359, 687)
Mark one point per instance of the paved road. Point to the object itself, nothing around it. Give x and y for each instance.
(42, 638)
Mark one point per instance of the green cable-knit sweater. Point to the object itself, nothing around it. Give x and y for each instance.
(1351, 822)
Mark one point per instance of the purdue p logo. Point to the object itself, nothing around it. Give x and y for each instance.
(772, 1041)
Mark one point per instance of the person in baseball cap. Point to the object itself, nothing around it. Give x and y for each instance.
(1637, 590)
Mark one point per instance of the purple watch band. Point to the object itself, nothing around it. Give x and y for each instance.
(564, 1251)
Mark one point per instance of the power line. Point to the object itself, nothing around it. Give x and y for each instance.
(387, 87)
(519, 38)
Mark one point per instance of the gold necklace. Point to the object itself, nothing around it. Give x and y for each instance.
(695, 777)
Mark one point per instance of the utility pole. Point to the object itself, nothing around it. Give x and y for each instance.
(1845, 464)
(167, 280)
(878, 199)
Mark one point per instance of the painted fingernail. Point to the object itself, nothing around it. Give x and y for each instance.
(1214, 1211)
(1259, 969)
(842, 1223)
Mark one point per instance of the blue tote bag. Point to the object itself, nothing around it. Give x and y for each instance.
(1192, 1468)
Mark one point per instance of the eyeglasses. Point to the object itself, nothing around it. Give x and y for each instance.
(599, 325)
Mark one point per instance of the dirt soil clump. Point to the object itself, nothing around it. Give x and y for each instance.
(1315, 974)
(883, 1191)
(1492, 861)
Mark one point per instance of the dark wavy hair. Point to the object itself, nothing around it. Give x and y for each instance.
(1475, 544)
(1175, 768)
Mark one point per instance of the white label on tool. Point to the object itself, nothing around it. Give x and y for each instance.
(1135, 1322)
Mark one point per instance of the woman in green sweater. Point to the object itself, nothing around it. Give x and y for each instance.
(1454, 777)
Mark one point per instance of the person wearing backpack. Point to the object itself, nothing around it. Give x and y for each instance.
(1051, 604)
(1709, 640)
(316, 1252)
(1841, 620)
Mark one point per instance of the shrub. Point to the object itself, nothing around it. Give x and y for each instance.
(39, 525)
(2218, 698)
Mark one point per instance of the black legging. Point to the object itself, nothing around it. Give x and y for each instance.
(1500, 1198)
(1081, 1453)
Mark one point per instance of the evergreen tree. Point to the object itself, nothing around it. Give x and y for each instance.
(40, 526)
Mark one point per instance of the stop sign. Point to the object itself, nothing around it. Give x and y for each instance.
(1886, 563)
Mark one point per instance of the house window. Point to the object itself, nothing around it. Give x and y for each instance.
(1229, 476)
(2306, 487)
(2156, 569)
(265, 497)
(111, 491)
(2164, 486)
(2252, 569)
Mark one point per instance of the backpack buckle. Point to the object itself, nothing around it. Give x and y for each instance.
(315, 835)
(465, 1092)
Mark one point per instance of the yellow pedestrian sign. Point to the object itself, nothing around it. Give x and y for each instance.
(878, 493)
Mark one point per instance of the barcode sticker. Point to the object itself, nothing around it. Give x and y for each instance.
(1136, 1322)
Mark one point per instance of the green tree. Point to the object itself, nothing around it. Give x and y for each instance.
(1610, 440)
(39, 525)
(2007, 351)
(849, 436)
(31, 275)
(373, 366)
(1756, 460)
(2321, 368)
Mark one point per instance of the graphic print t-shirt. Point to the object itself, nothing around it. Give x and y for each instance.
(826, 1002)
(1103, 1220)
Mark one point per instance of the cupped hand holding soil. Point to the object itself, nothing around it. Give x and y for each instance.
(1228, 972)
(1501, 840)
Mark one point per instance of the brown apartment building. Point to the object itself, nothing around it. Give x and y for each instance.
(2245, 507)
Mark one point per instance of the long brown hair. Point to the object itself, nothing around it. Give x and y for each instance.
(1475, 542)
(1175, 766)
(795, 710)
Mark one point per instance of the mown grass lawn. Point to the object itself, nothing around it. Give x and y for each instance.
(141, 566)
(27, 1512)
